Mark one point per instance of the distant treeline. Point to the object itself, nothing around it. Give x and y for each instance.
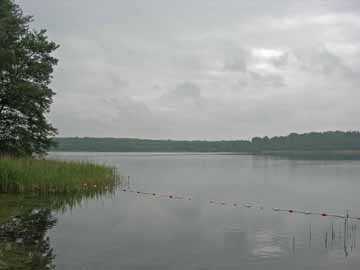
(313, 141)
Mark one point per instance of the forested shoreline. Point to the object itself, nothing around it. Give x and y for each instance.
(313, 141)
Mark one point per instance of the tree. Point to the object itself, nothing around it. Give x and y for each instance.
(26, 65)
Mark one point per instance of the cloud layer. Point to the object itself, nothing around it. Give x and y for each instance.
(203, 69)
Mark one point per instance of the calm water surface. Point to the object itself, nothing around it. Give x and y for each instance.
(130, 231)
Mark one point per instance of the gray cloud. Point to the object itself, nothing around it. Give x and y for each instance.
(321, 60)
(202, 69)
(185, 90)
(235, 64)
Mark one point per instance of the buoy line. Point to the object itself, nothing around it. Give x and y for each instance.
(243, 204)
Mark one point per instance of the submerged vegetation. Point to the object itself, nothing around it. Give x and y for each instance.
(53, 177)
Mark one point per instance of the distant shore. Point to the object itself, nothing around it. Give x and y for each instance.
(334, 144)
(315, 155)
(305, 155)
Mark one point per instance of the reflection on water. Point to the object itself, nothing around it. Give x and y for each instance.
(24, 242)
(24, 224)
(268, 244)
(128, 231)
(345, 238)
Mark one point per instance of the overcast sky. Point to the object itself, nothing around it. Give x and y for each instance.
(203, 69)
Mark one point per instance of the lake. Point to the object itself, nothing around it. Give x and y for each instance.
(192, 222)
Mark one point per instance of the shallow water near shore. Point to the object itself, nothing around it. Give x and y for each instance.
(127, 230)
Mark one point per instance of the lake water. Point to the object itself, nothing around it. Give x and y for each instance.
(134, 231)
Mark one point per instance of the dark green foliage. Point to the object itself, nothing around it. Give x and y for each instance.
(314, 141)
(26, 66)
(138, 145)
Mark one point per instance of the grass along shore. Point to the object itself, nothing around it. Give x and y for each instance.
(27, 175)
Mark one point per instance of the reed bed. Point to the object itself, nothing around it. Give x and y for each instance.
(29, 175)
